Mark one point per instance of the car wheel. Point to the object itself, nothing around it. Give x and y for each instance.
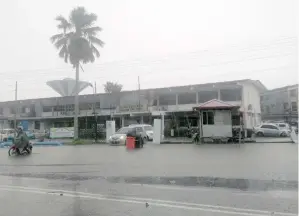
(260, 134)
(283, 134)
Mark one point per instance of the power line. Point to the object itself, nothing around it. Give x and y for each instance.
(197, 66)
(265, 70)
(152, 61)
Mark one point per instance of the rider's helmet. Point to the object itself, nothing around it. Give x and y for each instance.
(19, 129)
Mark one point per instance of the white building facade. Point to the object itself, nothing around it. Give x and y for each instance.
(135, 106)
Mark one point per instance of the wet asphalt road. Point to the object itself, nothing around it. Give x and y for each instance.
(106, 180)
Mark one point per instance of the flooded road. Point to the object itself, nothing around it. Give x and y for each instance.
(157, 180)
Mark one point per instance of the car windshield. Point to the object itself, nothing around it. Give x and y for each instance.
(148, 128)
(123, 130)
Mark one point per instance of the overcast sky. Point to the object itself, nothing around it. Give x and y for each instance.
(165, 42)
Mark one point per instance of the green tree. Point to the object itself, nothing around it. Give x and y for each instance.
(77, 43)
(111, 87)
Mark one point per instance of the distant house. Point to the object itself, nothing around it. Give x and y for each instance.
(280, 104)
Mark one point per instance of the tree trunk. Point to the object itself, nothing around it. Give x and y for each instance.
(76, 129)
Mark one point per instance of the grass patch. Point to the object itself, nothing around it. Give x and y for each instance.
(78, 142)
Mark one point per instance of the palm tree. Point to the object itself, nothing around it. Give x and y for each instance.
(77, 43)
(111, 87)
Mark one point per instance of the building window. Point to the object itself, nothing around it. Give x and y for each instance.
(47, 109)
(37, 125)
(167, 99)
(293, 93)
(22, 109)
(249, 107)
(267, 109)
(294, 106)
(204, 96)
(98, 105)
(208, 118)
(231, 94)
(12, 110)
(187, 98)
(286, 106)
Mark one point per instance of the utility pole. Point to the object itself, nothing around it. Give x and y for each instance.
(76, 124)
(16, 108)
(139, 108)
(94, 112)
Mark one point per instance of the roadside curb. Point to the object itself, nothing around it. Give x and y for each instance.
(191, 181)
(203, 181)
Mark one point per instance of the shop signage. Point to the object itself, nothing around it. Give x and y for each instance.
(64, 132)
(131, 108)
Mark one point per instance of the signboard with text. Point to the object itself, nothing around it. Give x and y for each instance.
(132, 108)
(65, 132)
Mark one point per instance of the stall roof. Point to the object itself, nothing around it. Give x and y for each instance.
(215, 104)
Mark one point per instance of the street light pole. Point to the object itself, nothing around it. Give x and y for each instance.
(16, 108)
(94, 88)
(76, 125)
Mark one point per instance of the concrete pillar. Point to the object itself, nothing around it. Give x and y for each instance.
(219, 98)
(42, 126)
(162, 123)
(176, 99)
(141, 119)
(157, 131)
(197, 97)
(122, 121)
(110, 129)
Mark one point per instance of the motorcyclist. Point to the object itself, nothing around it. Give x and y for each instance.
(21, 140)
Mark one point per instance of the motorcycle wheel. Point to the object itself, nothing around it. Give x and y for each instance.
(29, 150)
(12, 152)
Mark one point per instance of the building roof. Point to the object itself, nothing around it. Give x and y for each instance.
(281, 89)
(161, 91)
(215, 104)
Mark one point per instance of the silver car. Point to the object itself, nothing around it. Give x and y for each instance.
(268, 129)
(284, 127)
(146, 130)
(119, 138)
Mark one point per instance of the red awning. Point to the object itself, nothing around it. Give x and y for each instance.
(215, 104)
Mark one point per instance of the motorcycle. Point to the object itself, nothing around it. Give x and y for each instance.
(13, 151)
(195, 137)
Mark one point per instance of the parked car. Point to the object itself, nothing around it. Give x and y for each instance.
(119, 138)
(268, 129)
(30, 135)
(284, 127)
(6, 134)
(147, 130)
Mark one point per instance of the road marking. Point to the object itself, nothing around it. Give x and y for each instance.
(277, 194)
(152, 202)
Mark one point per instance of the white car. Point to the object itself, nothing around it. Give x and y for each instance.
(147, 129)
(6, 134)
(268, 129)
